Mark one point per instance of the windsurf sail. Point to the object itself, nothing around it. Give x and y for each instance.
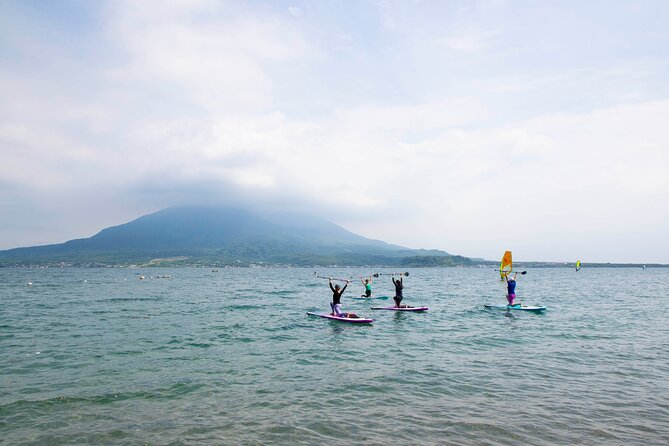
(578, 265)
(506, 265)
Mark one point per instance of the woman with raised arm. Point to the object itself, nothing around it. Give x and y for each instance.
(511, 288)
(398, 291)
(337, 291)
(368, 286)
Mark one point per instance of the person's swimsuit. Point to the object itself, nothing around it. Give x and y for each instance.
(511, 291)
(368, 290)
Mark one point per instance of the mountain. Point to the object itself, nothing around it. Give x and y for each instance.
(222, 235)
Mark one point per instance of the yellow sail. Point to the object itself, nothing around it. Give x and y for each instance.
(578, 265)
(506, 265)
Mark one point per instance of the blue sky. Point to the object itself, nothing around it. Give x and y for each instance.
(472, 127)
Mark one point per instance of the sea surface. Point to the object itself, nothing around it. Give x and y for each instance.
(100, 356)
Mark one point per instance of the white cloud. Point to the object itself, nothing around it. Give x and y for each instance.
(184, 105)
(218, 61)
(470, 41)
(543, 177)
(558, 184)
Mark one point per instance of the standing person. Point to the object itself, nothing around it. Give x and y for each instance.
(398, 291)
(511, 288)
(368, 287)
(337, 291)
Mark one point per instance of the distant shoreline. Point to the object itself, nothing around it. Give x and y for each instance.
(486, 265)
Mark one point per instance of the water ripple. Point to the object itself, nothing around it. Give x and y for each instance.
(231, 358)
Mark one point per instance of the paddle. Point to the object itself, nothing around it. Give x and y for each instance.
(522, 273)
(331, 278)
(391, 274)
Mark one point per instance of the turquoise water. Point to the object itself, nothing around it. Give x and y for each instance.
(98, 356)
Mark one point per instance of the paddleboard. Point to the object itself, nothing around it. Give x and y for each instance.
(516, 307)
(368, 298)
(359, 320)
(400, 308)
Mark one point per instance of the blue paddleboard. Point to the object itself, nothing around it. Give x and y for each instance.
(516, 307)
(400, 308)
(368, 298)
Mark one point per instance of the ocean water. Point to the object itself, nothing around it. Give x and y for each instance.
(98, 356)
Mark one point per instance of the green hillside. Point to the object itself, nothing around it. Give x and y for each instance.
(208, 235)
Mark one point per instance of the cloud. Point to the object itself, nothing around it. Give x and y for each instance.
(470, 42)
(216, 58)
(575, 168)
(560, 183)
(421, 138)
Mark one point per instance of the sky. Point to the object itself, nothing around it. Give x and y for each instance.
(469, 126)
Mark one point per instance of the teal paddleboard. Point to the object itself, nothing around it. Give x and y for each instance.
(368, 298)
(516, 307)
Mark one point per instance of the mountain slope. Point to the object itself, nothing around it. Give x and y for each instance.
(220, 235)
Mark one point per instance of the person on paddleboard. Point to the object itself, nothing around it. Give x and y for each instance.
(368, 287)
(337, 291)
(398, 291)
(511, 288)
